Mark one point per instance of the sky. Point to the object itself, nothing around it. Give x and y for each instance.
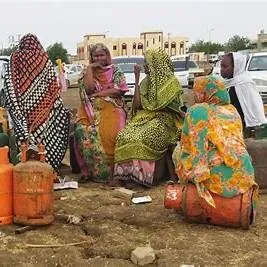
(67, 21)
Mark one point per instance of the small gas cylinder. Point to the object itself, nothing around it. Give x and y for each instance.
(33, 189)
(231, 212)
(6, 196)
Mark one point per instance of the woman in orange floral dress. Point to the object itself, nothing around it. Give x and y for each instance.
(212, 152)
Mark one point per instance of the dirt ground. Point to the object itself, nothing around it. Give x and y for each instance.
(111, 227)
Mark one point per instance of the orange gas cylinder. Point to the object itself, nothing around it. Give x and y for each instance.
(232, 212)
(6, 197)
(33, 190)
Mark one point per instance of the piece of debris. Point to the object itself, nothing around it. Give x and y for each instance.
(143, 255)
(125, 191)
(66, 185)
(141, 200)
(72, 219)
(23, 229)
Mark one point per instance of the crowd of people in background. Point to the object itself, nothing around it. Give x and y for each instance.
(202, 144)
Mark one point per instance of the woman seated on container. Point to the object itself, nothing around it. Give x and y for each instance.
(100, 117)
(243, 92)
(212, 152)
(147, 141)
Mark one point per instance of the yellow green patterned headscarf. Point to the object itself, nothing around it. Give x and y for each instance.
(160, 89)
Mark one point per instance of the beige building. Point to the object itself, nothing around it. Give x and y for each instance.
(262, 41)
(128, 46)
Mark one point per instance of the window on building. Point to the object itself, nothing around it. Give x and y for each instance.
(140, 46)
(159, 38)
(124, 49)
(153, 40)
(166, 45)
(173, 48)
(146, 43)
(114, 47)
(182, 48)
(134, 49)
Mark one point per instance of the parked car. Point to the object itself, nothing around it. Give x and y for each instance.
(217, 68)
(73, 74)
(3, 64)
(257, 67)
(185, 71)
(126, 64)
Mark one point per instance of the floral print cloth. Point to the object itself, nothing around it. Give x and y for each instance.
(98, 124)
(212, 151)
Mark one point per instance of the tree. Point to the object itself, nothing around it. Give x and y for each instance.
(237, 43)
(8, 51)
(206, 47)
(56, 51)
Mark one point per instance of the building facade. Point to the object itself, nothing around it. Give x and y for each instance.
(262, 41)
(131, 46)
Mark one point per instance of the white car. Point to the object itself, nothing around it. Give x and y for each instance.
(126, 64)
(217, 68)
(257, 67)
(3, 64)
(185, 71)
(73, 74)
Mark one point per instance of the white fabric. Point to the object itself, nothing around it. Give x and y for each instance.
(248, 96)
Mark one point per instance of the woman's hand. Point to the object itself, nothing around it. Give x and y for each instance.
(95, 65)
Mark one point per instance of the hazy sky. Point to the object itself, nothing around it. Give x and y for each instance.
(68, 21)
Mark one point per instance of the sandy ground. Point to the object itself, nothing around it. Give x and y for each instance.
(111, 227)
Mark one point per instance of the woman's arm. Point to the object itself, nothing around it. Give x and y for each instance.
(110, 92)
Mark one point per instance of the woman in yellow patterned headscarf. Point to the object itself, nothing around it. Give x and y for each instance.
(212, 152)
(145, 143)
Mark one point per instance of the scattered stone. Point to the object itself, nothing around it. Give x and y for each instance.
(23, 229)
(2, 234)
(92, 230)
(143, 255)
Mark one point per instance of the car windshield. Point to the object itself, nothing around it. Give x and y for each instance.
(258, 63)
(127, 64)
(180, 65)
(128, 67)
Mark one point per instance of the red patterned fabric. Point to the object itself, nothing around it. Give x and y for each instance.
(27, 64)
(33, 100)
